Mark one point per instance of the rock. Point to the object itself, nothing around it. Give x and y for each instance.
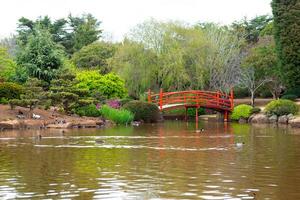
(290, 116)
(61, 126)
(86, 124)
(295, 123)
(10, 124)
(259, 118)
(273, 119)
(283, 119)
(33, 124)
(242, 121)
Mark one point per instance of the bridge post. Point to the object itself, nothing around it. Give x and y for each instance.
(149, 96)
(197, 118)
(226, 116)
(231, 99)
(160, 98)
(185, 116)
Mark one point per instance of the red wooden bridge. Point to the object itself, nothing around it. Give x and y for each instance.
(218, 101)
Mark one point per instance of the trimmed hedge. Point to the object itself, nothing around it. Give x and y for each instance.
(241, 111)
(281, 107)
(10, 90)
(147, 112)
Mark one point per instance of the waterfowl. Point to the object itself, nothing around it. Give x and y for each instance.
(99, 141)
(201, 130)
(239, 144)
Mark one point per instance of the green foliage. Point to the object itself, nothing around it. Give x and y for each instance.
(4, 100)
(181, 111)
(255, 110)
(85, 31)
(281, 107)
(109, 85)
(147, 112)
(241, 111)
(287, 37)
(291, 97)
(30, 103)
(72, 33)
(241, 92)
(41, 56)
(94, 56)
(121, 116)
(10, 90)
(293, 91)
(253, 28)
(7, 65)
(89, 111)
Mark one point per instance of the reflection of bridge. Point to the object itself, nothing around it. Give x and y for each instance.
(218, 101)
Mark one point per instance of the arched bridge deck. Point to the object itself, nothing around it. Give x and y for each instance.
(218, 101)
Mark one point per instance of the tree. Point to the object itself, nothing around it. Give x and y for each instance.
(287, 38)
(7, 65)
(260, 68)
(41, 56)
(57, 29)
(94, 56)
(224, 55)
(251, 29)
(85, 30)
(249, 79)
(10, 43)
(137, 66)
(72, 33)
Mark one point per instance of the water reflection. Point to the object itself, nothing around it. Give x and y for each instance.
(164, 161)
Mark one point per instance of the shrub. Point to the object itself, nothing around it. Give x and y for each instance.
(89, 111)
(291, 97)
(113, 104)
(293, 91)
(3, 100)
(121, 116)
(124, 101)
(255, 110)
(10, 90)
(281, 107)
(109, 85)
(147, 112)
(241, 111)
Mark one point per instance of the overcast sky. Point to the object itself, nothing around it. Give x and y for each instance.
(118, 16)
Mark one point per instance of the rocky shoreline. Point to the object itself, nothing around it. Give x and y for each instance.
(54, 124)
(262, 118)
(22, 118)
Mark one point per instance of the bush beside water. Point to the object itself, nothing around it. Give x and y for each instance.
(145, 111)
(241, 111)
(281, 107)
(121, 116)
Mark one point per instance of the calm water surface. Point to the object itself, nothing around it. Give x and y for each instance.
(161, 161)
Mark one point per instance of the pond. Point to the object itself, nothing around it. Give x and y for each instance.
(155, 161)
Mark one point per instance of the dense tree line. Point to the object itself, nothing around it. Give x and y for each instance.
(153, 55)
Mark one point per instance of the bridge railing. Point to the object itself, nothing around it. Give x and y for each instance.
(215, 100)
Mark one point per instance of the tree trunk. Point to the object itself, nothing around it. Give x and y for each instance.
(252, 98)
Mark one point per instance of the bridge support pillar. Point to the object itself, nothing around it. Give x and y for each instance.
(226, 116)
(197, 117)
(185, 116)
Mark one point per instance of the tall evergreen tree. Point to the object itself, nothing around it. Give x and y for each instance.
(287, 36)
